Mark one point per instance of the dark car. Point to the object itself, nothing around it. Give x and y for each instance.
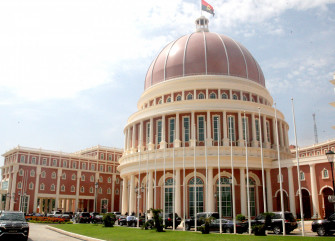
(83, 217)
(13, 224)
(227, 226)
(96, 218)
(132, 221)
(325, 226)
(122, 220)
(276, 222)
(190, 223)
(169, 220)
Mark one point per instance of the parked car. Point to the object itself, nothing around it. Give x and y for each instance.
(122, 220)
(190, 223)
(13, 224)
(325, 226)
(227, 226)
(66, 217)
(69, 213)
(132, 221)
(83, 217)
(276, 222)
(96, 218)
(169, 219)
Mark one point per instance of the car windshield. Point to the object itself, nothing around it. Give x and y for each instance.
(289, 216)
(12, 216)
(215, 215)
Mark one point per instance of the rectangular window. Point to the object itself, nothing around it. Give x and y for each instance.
(268, 130)
(101, 168)
(186, 126)
(54, 162)
(159, 131)
(64, 163)
(44, 162)
(109, 169)
(171, 129)
(231, 128)
(92, 167)
(245, 127)
(84, 166)
(201, 130)
(101, 156)
(74, 165)
(257, 129)
(216, 124)
(33, 160)
(22, 159)
(147, 136)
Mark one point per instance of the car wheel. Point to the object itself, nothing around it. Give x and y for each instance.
(187, 226)
(321, 231)
(228, 230)
(276, 230)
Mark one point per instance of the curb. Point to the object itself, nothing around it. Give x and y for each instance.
(74, 235)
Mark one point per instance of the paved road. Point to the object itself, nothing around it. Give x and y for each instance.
(39, 232)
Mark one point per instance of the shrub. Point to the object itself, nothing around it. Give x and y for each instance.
(148, 225)
(108, 220)
(205, 227)
(240, 217)
(259, 229)
(158, 220)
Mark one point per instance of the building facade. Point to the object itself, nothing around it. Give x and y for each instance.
(36, 180)
(205, 122)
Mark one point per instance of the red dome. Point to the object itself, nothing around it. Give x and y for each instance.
(203, 53)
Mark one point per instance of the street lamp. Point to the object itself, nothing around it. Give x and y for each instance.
(96, 195)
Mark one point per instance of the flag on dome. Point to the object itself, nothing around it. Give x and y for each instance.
(207, 7)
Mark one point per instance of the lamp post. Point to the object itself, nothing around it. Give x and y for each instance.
(96, 195)
(330, 156)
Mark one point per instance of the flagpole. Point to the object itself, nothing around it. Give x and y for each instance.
(280, 177)
(164, 183)
(232, 176)
(298, 171)
(206, 161)
(247, 170)
(184, 187)
(139, 188)
(219, 181)
(262, 159)
(174, 186)
(155, 146)
(200, 8)
(194, 186)
(147, 189)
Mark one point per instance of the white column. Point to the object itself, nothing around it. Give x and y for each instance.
(274, 134)
(193, 138)
(240, 130)
(315, 199)
(177, 136)
(163, 142)
(231, 94)
(150, 190)
(132, 195)
(141, 139)
(177, 194)
(287, 142)
(133, 139)
(209, 133)
(37, 185)
(210, 191)
(77, 191)
(281, 138)
(291, 191)
(269, 189)
(13, 187)
(151, 142)
(253, 123)
(225, 129)
(113, 192)
(59, 174)
(125, 196)
(243, 192)
(128, 139)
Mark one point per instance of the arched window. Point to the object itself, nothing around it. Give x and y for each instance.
(245, 98)
(224, 96)
(92, 178)
(109, 180)
(325, 173)
(73, 177)
(226, 204)
(21, 172)
(168, 99)
(43, 174)
(100, 190)
(53, 175)
(52, 187)
(168, 196)
(73, 189)
(62, 188)
(189, 96)
(83, 177)
(91, 189)
(160, 101)
(82, 189)
(201, 96)
(117, 180)
(32, 173)
(212, 95)
(235, 97)
(100, 179)
(252, 196)
(64, 176)
(42, 186)
(178, 98)
(199, 188)
(31, 186)
(108, 191)
(19, 185)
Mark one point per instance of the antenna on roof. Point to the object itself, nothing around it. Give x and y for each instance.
(316, 140)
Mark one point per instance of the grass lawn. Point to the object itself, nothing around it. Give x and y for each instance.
(124, 233)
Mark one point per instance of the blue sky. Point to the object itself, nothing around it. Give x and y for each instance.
(72, 71)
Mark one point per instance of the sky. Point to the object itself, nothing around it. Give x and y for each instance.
(72, 71)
